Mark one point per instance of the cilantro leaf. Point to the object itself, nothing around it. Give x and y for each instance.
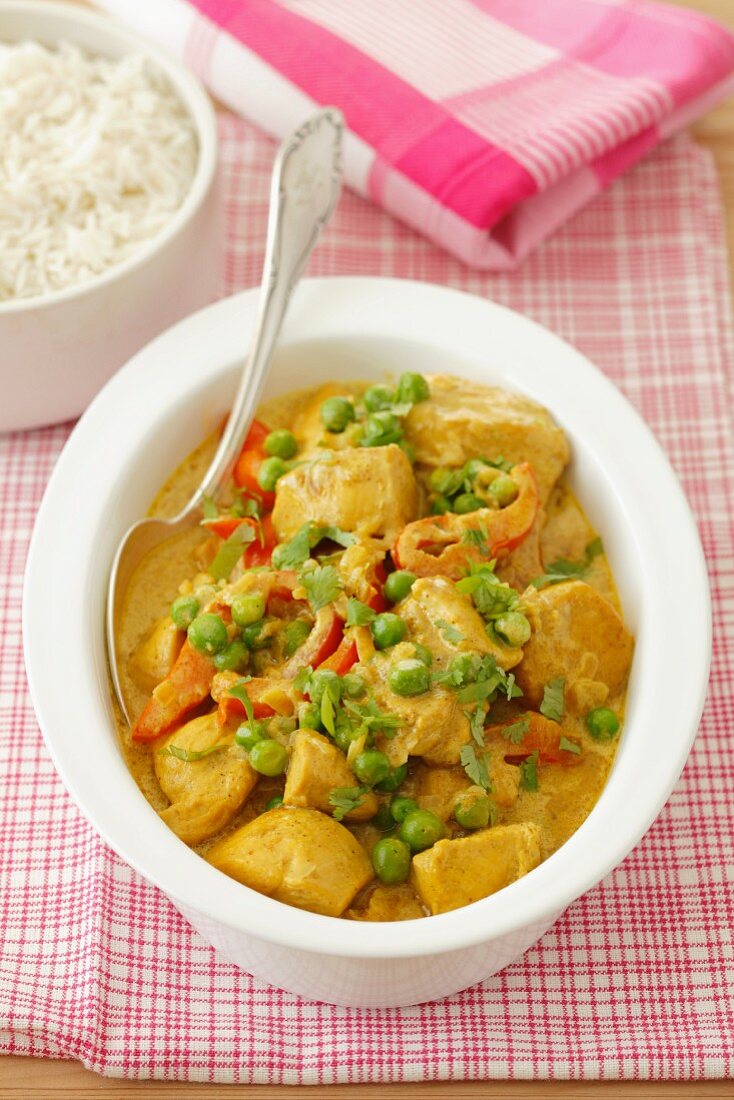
(529, 772)
(289, 555)
(237, 691)
(230, 552)
(323, 585)
(564, 570)
(209, 508)
(476, 724)
(358, 613)
(475, 767)
(569, 746)
(553, 702)
(372, 720)
(515, 732)
(344, 799)
(189, 754)
(491, 596)
(449, 632)
(477, 537)
(302, 682)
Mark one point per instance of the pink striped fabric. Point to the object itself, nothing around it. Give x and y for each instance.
(483, 124)
(635, 980)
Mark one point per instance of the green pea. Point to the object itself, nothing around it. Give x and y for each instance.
(440, 505)
(444, 481)
(412, 387)
(421, 829)
(513, 627)
(410, 677)
(467, 502)
(394, 779)
(208, 634)
(602, 723)
(464, 668)
(271, 469)
(345, 735)
(473, 810)
(247, 608)
(268, 757)
(387, 630)
(336, 413)
(398, 585)
(184, 610)
(423, 654)
(252, 635)
(376, 398)
(391, 860)
(352, 686)
(371, 767)
(248, 735)
(275, 802)
(503, 489)
(295, 635)
(325, 680)
(474, 467)
(233, 658)
(383, 819)
(401, 806)
(380, 429)
(309, 716)
(280, 443)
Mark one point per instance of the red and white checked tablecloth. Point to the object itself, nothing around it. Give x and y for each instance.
(636, 980)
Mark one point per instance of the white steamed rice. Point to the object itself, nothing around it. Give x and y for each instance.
(95, 157)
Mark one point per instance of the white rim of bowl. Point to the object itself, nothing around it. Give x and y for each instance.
(195, 102)
(536, 899)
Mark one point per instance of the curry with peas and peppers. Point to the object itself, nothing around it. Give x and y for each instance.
(386, 676)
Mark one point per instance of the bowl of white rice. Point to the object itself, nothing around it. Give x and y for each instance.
(110, 220)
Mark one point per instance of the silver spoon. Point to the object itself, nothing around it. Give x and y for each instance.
(305, 188)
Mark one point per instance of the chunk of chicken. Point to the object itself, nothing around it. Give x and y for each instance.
(463, 420)
(317, 766)
(297, 856)
(434, 609)
(524, 563)
(433, 725)
(205, 794)
(389, 903)
(435, 789)
(156, 655)
(577, 634)
(370, 491)
(457, 872)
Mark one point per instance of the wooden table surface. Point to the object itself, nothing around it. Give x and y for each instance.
(35, 1078)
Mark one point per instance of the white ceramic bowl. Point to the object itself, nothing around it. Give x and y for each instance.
(361, 328)
(60, 348)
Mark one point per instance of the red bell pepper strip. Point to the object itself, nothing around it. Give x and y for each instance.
(436, 546)
(260, 550)
(543, 736)
(325, 636)
(248, 464)
(232, 707)
(188, 685)
(342, 659)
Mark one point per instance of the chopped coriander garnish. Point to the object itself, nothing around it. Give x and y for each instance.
(569, 746)
(529, 772)
(553, 704)
(449, 632)
(323, 585)
(475, 767)
(476, 723)
(371, 719)
(564, 570)
(515, 732)
(477, 537)
(189, 754)
(345, 799)
(358, 613)
(231, 551)
(491, 596)
(209, 508)
(237, 691)
(290, 555)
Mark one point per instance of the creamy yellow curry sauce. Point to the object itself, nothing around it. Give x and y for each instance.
(386, 676)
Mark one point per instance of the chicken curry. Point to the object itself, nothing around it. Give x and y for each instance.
(385, 678)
